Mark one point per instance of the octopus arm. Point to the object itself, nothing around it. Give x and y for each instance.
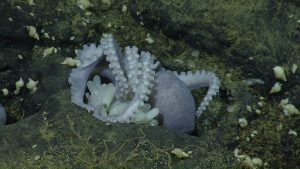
(133, 75)
(89, 57)
(199, 79)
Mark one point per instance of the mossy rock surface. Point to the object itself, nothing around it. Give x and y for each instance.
(251, 36)
(63, 135)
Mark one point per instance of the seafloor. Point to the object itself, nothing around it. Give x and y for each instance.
(240, 40)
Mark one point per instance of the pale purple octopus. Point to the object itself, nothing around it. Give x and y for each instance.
(138, 79)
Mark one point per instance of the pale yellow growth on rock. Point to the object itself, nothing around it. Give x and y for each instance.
(71, 62)
(31, 85)
(32, 32)
(293, 132)
(31, 3)
(83, 4)
(246, 160)
(49, 51)
(249, 109)
(5, 91)
(276, 88)
(257, 162)
(290, 109)
(179, 153)
(294, 68)
(284, 102)
(243, 122)
(279, 73)
(19, 83)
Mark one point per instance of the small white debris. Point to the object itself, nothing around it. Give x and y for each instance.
(236, 152)
(290, 109)
(232, 108)
(246, 160)
(124, 8)
(31, 3)
(88, 13)
(46, 35)
(257, 111)
(248, 108)
(31, 85)
(72, 37)
(294, 68)
(195, 53)
(83, 4)
(284, 102)
(32, 32)
(71, 62)
(279, 73)
(179, 153)
(20, 56)
(5, 91)
(106, 2)
(261, 103)
(276, 88)
(37, 157)
(49, 51)
(10, 19)
(254, 133)
(19, 84)
(293, 132)
(149, 39)
(34, 146)
(243, 122)
(257, 162)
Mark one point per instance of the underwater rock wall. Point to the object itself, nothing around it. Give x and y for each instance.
(252, 36)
